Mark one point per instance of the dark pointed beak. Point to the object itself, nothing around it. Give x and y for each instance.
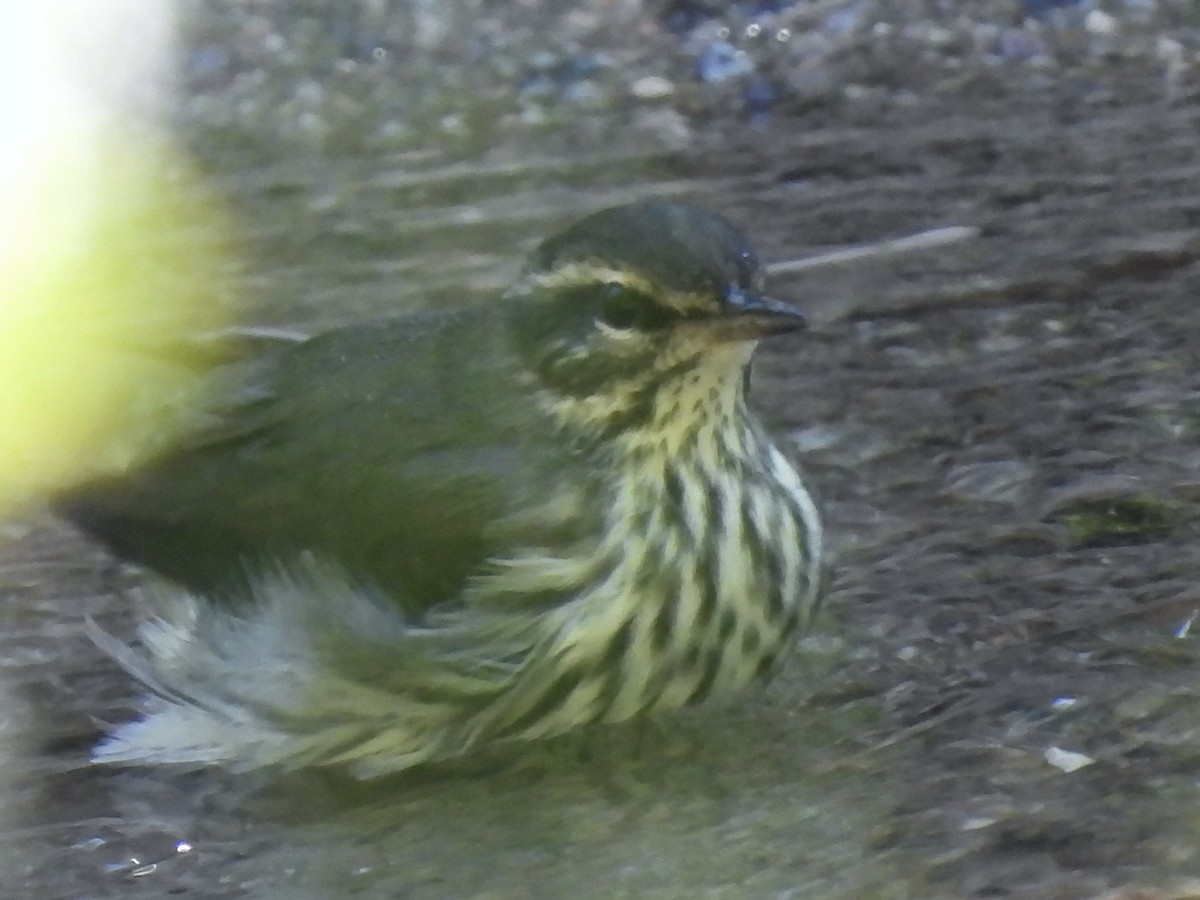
(751, 315)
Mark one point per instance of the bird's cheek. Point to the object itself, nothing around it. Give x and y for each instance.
(633, 357)
(584, 370)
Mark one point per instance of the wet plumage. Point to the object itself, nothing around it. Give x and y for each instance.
(399, 540)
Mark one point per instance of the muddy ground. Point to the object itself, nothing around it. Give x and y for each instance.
(1004, 697)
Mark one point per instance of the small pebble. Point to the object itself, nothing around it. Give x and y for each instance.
(1067, 760)
(652, 87)
(722, 61)
(1100, 23)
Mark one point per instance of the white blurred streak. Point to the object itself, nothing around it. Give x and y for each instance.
(123, 51)
(66, 61)
(70, 70)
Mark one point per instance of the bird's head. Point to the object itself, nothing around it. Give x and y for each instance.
(642, 313)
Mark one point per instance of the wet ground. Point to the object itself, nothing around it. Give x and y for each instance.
(1004, 699)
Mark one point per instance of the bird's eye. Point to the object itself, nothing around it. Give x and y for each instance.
(629, 310)
(621, 307)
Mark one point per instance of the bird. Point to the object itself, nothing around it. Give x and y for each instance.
(393, 542)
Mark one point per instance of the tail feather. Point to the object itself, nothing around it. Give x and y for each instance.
(317, 670)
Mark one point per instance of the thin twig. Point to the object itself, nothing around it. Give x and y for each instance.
(937, 237)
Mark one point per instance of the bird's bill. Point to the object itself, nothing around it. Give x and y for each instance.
(748, 316)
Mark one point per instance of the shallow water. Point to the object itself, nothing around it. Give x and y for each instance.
(1004, 432)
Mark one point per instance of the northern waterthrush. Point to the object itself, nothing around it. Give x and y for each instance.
(402, 539)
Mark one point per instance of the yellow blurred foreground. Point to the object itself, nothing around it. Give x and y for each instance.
(108, 278)
(110, 255)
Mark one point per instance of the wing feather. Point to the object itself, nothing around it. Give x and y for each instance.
(402, 452)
